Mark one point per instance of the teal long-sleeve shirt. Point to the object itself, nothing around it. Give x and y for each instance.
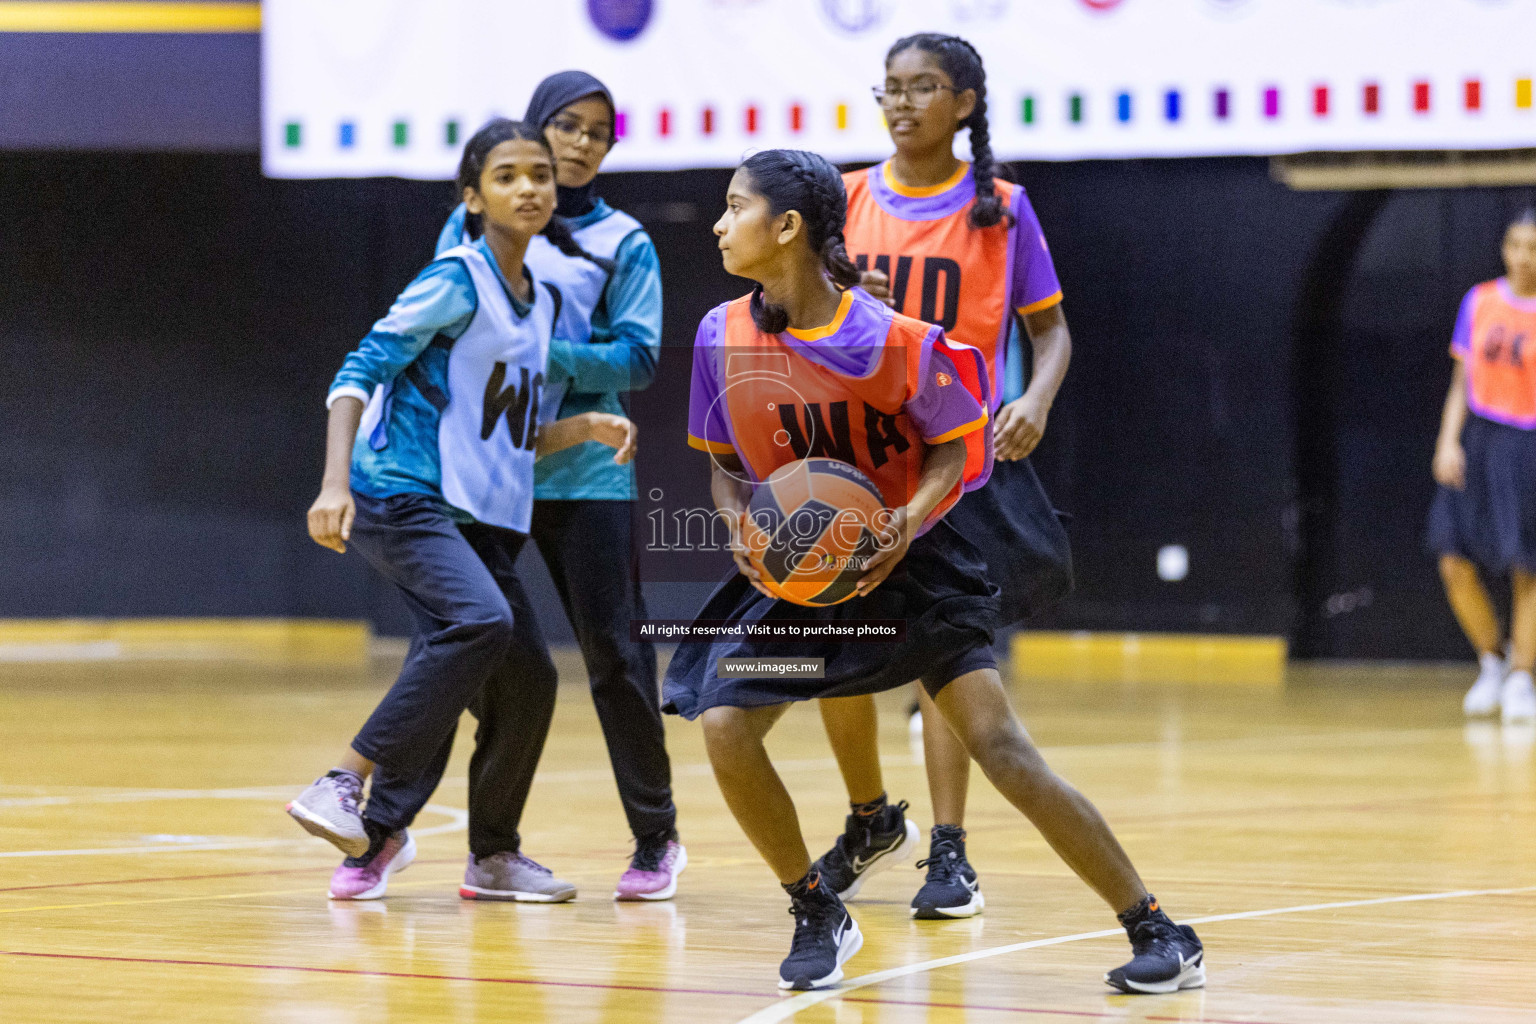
(619, 356)
(399, 454)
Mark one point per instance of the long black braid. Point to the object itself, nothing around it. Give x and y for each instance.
(492, 134)
(793, 179)
(962, 64)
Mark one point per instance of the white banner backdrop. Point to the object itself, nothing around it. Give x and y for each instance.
(394, 87)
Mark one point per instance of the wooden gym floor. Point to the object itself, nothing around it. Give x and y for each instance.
(1355, 850)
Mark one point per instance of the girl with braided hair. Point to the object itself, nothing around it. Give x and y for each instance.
(951, 244)
(606, 346)
(910, 410)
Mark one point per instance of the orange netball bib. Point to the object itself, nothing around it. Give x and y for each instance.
(941, 269)
(1496, 340)
(871, 389)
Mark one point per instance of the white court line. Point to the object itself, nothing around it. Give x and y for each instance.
(1242, 744)
(788, 1008)
(703, 769)
(133, 796)
(458, 821)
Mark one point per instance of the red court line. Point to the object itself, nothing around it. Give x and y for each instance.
(196, 878)
(388, 974)
(1098, 1015)
(1142, 819)
(602, 986)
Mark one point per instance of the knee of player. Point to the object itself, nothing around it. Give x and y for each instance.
(490, 627)
(1003, 747)
(726, 734)
(1454, 568)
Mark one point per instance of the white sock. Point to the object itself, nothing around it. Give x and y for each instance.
(1518, 681)
(1491, 663)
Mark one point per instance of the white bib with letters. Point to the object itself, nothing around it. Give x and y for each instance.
(580, 281)
(495, 382)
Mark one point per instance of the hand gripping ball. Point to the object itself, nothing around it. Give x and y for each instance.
(810, 529)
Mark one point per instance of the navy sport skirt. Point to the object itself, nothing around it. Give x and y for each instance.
(939, 590)
(1011, 522)
(1492, 521)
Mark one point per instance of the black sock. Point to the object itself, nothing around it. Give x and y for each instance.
(954, 832)
(870, 809)
(805, 885)
(1146, 910)
(666, 835)
(376, 835)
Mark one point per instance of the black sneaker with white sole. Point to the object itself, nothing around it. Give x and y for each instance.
(1168, 957)
(952, 888)
(826, 935)
(869, 843)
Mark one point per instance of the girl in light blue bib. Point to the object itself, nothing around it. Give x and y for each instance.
(435, 426)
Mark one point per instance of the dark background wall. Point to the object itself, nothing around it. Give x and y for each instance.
(1257, 376)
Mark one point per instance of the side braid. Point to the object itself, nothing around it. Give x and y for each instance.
(988, 208)
(558, 231)
(825, 187)
(770, 319)
(962, 63)
(808, 184)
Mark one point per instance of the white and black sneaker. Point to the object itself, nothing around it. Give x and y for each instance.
(952, 888)
(869, 843)
(826, 936)
(1168, 957)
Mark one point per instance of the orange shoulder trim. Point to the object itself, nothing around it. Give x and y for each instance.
(714, 447)
(1045, 303)
(960, 431)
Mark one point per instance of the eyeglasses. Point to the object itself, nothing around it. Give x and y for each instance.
(920, 93)
(570, 131)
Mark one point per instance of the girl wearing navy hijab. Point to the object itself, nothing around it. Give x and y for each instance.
(607, 341)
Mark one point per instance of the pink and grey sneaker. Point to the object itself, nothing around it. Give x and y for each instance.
(328, 809)
(366, 877)
(653, 870)
(511, 876)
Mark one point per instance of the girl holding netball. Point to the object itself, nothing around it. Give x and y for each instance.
(1484, 513)
(945, 241)
(606, 345)
(434, 485)
(913, 415)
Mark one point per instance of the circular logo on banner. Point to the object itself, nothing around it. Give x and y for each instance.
(1102, 5)
(857, 15)
(620, 20)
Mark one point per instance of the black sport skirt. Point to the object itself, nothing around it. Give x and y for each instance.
(1492, 522)
(939, 590)
(1010, 520)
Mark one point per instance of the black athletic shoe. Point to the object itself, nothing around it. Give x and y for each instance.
(952, 889)
(826, 935)
(1168, 957)
(868, 844)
